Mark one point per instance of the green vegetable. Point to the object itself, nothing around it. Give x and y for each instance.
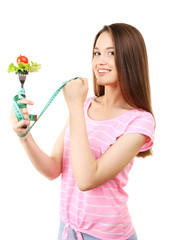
(24, 68)
(34, 67)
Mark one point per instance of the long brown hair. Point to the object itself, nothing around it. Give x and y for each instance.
(132, 65)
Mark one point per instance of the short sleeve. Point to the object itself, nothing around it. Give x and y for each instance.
(87, 102)
(143, 124)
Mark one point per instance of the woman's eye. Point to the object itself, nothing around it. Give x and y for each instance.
(96, 53)
(111, 53)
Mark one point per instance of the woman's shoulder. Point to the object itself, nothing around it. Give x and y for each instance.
(142, 114)
(89, 100)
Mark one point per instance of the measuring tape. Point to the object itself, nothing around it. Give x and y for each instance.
(17, 106)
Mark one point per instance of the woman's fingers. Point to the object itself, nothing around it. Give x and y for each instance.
(26, 116)
(26, 101)
(22, 123)
(24, 111)
(17, 125)
(84, 80)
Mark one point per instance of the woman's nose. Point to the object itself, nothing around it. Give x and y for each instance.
(102, 59)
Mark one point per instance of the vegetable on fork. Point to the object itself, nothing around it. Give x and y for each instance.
(23, 68)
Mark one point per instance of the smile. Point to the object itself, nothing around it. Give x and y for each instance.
(103, 70)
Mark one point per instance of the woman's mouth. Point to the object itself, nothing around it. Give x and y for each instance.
(103, 71)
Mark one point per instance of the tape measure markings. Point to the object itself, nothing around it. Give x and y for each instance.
(17, 106)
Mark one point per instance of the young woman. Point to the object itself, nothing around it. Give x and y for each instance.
(95, 151)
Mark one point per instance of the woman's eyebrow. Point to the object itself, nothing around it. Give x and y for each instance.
(106, 48)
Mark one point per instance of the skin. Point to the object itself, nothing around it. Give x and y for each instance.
(49, 166)
(89, 173)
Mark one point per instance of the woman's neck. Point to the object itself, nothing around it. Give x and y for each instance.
(113, 98)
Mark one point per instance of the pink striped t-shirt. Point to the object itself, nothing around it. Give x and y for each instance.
(102, 212)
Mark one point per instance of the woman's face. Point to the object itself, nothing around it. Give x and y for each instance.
(103, 62)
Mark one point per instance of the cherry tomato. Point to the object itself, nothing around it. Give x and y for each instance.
(22, 59)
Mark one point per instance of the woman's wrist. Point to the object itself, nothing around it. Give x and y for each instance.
(26, 138)
(74, 107)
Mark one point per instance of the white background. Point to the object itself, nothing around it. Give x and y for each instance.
(59, 35)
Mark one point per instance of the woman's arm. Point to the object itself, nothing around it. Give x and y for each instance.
(90, 173)
(49, 166)
(46, 165)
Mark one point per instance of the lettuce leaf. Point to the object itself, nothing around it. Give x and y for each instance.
(24, 68)
(12, 68)
(34, 67)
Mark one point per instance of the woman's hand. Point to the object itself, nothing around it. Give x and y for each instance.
(17, 125)
(75, 92)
